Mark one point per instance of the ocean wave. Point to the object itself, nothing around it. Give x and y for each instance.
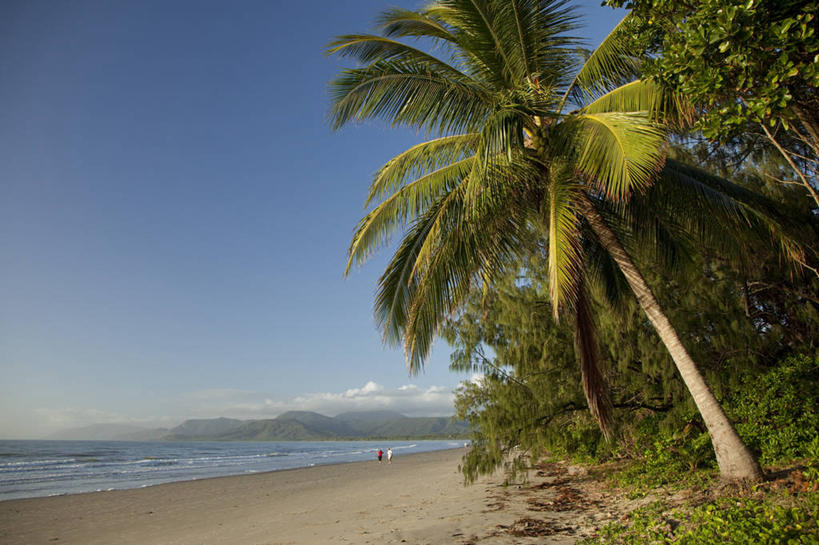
(42, 470)
(38, 462)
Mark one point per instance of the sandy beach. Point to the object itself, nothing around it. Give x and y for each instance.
(418, 499)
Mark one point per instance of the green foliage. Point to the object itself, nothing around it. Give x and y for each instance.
(752, 522)
(777, 412)
(751, 67)
(742, 60)
(729, 521)
(646, 526)
(675, 462)
(529, 401)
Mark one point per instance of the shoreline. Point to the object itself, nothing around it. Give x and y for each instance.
(282, 506)
(228, 476)
(419, 498)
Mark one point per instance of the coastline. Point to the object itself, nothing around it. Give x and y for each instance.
(419, 498)
(31, 469)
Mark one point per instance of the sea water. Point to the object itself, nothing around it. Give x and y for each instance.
(31, 469)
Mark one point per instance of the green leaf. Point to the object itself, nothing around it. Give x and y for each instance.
(619, 152)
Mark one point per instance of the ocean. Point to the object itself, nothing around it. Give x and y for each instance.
(30, 469)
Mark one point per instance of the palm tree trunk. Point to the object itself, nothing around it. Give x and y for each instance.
(735, 460)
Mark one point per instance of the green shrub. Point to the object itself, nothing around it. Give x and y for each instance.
(777, 413)
(730, 521)
(751, 522)
(674, 460)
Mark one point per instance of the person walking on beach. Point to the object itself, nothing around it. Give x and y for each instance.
(380, 454)
(389, 455)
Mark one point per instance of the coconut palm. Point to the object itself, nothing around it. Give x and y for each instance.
(532, 142)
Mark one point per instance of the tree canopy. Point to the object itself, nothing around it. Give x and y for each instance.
(751, 66)
(538, 148)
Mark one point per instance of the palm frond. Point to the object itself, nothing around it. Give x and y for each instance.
(397, 285)
(411, 302)
(661, 106)
(420, 160)
(564, 241)
(453, 216)
(610, 65)
(368, 48)
(473, 23)
(652, 235)
(603, 274)
(523, 27)
(502, 181)
(620, 152)
(502, 134)
(736, 212)
(407, 94)
(375, 230)
(465, 253)
(538, 32)
(399, 22)
(594, 383)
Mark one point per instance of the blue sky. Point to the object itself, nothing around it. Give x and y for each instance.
(175, 213)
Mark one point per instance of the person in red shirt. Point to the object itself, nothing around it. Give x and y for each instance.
(380, 454)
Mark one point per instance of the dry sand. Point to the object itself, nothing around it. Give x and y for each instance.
(418, 499)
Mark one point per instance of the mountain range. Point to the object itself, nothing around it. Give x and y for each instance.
(289, 426)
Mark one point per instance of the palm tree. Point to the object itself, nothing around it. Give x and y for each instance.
(527, 137)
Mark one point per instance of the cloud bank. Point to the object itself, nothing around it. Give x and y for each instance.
(408, 399)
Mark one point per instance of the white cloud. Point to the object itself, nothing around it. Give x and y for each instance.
(408, 399)
(369, 388)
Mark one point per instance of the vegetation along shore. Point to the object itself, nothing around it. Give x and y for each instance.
(621, 242)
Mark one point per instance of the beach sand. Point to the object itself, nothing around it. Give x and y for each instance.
(418, 499)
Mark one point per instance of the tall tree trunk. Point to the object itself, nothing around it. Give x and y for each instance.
(735, 460)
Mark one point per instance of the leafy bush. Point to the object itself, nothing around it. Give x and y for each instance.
(729, 521)
(751, 522)
(673, 461)
(777, 413)
(645, 525)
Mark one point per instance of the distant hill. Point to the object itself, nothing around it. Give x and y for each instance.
(421, 426)
(317, 424)
(275, 430)
(201, 429)
(289, 426)
(143, 435)
(310, 426)
(364, 422)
